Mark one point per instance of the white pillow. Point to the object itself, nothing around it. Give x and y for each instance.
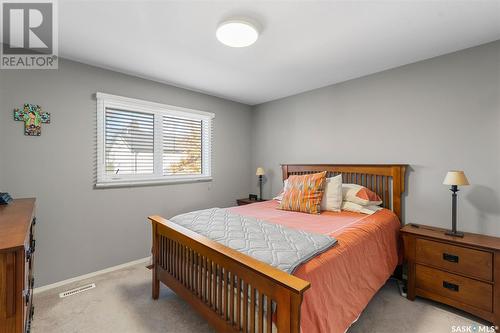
(332, 196)
(360, 195)
(279, 197)
(354, 207)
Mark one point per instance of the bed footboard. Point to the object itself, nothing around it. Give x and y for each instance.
(234, 292)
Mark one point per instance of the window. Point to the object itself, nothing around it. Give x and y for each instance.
(141, 142)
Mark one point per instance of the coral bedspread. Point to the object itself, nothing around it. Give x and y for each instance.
(344, 278)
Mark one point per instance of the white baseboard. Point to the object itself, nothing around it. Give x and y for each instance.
(89, 275)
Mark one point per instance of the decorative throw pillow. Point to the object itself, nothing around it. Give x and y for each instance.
(353, 207)
(360, 195)
(304, 193)
(332, 197)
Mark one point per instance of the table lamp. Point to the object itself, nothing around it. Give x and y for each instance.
(260, 172)
(455, 178)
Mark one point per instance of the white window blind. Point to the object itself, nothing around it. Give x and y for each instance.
(182, 146)
(140, 142)
(129, 143)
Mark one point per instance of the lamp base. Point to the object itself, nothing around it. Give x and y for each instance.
(454, 234)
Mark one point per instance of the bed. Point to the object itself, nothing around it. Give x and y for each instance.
(237, 293)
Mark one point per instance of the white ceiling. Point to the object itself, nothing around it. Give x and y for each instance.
(303, 44)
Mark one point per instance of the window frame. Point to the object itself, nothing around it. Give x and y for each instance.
(105, 180)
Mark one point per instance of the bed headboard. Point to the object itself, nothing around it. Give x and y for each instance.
(387, 180)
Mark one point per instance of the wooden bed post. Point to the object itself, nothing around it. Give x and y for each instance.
(154, 271)
(295, 304)
(398, 188)
(284, 169)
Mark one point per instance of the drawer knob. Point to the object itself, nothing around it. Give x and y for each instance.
(450, 257)
(450, 286)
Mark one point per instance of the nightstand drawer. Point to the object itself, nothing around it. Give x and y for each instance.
(462, 260)
(456, 287)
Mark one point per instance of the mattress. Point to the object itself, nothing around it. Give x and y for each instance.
(344, 278)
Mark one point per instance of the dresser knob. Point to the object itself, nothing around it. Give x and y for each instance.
(450, 286)
(450, 257)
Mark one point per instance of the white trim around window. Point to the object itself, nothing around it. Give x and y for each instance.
(147, 143)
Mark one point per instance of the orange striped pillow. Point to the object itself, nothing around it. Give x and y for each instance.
(304, 193)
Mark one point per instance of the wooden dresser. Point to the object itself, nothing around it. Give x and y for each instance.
(461, 272)
(17, 247)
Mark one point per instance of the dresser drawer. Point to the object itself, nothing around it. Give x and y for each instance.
(456, 287)
(462, 260)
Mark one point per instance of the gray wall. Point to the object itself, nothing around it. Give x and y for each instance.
(81, 229)
(436, 115)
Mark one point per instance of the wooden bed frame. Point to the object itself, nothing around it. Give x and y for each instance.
(192, 265)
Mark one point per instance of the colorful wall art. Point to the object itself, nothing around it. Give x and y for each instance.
(33, 117)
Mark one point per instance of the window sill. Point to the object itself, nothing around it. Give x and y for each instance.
(150, 182)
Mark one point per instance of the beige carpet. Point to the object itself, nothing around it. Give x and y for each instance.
(122, 302)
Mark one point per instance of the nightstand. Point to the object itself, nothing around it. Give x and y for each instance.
(461, 272)
(247, 201)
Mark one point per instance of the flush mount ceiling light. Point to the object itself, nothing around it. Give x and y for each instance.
(237, 33)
